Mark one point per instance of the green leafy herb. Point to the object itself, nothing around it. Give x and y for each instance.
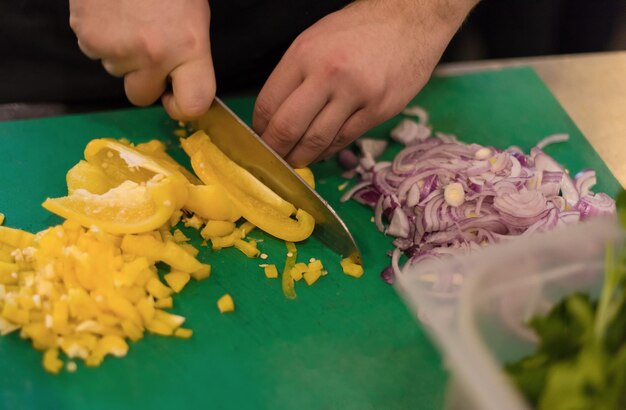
(580, 361)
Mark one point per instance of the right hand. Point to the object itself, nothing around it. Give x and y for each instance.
(149, 42)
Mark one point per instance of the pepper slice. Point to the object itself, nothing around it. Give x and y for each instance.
(127, 208)
(245, 181)
(259, 213)
(121, 163)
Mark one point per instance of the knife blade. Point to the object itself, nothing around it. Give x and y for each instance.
(230, 134)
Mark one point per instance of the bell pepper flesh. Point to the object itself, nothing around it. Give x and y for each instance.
(259, 213)
(233, 174)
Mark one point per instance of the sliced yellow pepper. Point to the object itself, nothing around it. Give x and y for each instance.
(124, 163)
(287, 283)
(307, 175)
(233, 174)
(127, 208)
(88, 177)
(211, 202)
(259, 213)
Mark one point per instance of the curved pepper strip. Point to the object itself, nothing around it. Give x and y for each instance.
(200, 142)
(259, 213)
(110, 211)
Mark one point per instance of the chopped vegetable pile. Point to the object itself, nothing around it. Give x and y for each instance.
(580, 362)
(440, 196)
(83, 289)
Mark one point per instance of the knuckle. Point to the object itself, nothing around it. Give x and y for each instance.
(194, 106)
(338, 67)
(315, 141)
(262, 109)
(283, 132)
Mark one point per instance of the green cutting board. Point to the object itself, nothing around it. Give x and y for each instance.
(343, 343)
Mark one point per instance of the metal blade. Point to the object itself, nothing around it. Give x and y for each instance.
(247, 149)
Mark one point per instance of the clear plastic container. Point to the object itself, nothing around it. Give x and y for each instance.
(474, 307)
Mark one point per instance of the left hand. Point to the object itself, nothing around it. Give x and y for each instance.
(350, 71)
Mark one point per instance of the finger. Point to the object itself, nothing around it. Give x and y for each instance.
(321, 133)
(143, 87)
(279, 85)
(294, 116)
(87, 51)
(117, 68)
(193, 89)
(355, 126)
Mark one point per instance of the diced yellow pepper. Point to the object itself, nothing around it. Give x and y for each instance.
(159, 328)
(270, 271)
(311, 276)
(316, 265)
(202, 273)
(351, 268)
(177, 280)
(1, 218)
(133, 331)
(183, 333)
(179, 236)
(165, 303)
(158, 289)
(169, 319)
(217, 229)
(225, 304)
(51, 361)
(14, 314)
(247, 248)
(190, 249)
(297, 270)
(146, 309)
(194, 222)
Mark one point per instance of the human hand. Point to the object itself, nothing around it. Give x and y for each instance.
(149, 42)
(350, 71)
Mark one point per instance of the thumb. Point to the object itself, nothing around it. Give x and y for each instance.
(193, 89)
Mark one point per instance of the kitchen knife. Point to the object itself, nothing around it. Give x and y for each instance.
(247, 149)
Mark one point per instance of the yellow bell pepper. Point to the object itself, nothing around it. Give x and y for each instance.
(124, 163)
(233, 174)
(259, 213)
(287, 282)
(211, 203)
(225, 304)
(351, 268)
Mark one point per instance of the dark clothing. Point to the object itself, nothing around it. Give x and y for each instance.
(41, 62)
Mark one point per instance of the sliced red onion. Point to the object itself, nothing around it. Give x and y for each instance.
(505, 193)
(595, 205)
(416, 111)
(413, 196)
(372, 147)
(584, 181)
(347, 159)
(387, 275)
(399, 225)
(358, 187)
(409, 132)
(551, 183)
(378, 214)
(551, 139)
